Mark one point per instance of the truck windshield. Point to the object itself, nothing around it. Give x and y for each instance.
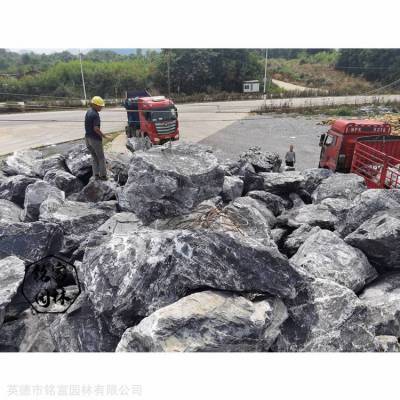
(163, 114)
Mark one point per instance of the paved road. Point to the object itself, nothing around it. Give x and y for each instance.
(197, 122)
(274, 134)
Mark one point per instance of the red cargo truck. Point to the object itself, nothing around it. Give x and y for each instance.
(364, 147)
(155, 118)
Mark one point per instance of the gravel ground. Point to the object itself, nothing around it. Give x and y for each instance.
(272, 133)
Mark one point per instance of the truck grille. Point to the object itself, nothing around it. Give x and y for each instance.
(165, 128)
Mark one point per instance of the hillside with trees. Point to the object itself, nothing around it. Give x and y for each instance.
(192, 71)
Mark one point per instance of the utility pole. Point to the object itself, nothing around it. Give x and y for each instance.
(265, 76)
(169, 72)
(83, 78)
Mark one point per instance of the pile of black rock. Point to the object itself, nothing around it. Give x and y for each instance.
(178, 252)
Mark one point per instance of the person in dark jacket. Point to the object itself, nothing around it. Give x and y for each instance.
(94, 138)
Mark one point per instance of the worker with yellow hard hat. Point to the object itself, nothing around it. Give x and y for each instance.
(94, 138)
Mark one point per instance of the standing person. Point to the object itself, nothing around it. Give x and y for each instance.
(94, 138)
(290, 158)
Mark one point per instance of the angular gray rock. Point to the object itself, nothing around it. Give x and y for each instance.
(13, 188)
(35, 195)
(81, 330)
(243, 217)
(387, 344)
(22, 162)
(12, 271)
(30, 241)
(247, 216)
(29, 333)
(76, 220)
(313, 177)
(325, 316)
(9, 212)
(135, 274)
(298, 237)
(118, 165)
(309, 214)
(325, 255)
(382, 298)
(121, 223)
(78, 161)
(208, 321)
(202, 217)
(136, 144)
(278, 234)
(52, 163)
(273, 202)
(64, 181)
(262, 161)
(338, 207)
(232, 188)
(165, 182)
(379, 239)
(282, 182)
(366, 204)
(345, 186)
(98, 190)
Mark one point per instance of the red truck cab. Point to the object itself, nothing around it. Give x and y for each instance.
(154, 118)
(364, 147)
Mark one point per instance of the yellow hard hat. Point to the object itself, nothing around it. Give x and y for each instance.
(98, 101)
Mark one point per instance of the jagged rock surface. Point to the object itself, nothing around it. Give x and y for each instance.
(13, 188)
(136, 144)
(309, 214)
(136, 274)
(368, 203)
(273, 202)
(98, 190)
(77, 220)
(35, 195)
(78, 161)
(346, 186)
(30, 241)
(262, 161)
(121, 223)
(382, 298)
(118, 165)
(165, 182)
(52, 163)
(22, 163)
(298, 237)
(232, 188)
(12, 271)
(313, 178)
(208, 321)
(379, 239)
(28, 333)
(325, 316)
(81, 330)
(64, 181)
(388, 344)
(282, 182)
(9, 212)
(325, 255)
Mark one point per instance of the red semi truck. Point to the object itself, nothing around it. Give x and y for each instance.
(154, 118)
(364, 147)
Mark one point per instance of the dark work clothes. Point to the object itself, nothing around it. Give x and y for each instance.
(92, 119)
